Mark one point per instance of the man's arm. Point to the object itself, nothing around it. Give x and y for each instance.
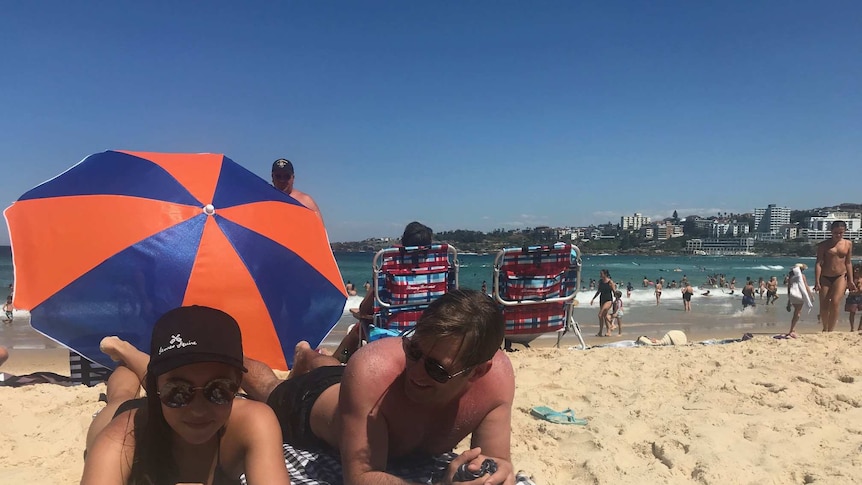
(818, 267)
(307, 201)
(848, 264)
(494, 433)
(364, 431)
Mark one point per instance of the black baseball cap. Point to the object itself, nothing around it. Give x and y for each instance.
(282, 165)
(192, 334)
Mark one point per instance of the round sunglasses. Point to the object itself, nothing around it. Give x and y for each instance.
(434, 369)
(178, 394)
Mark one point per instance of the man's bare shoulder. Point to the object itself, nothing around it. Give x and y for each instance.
(499, 381)
(305, 200)
(377, 363)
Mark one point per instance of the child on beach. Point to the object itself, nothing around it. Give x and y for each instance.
(8, 309)
(189, 428)
(853, 303)
(617, 313)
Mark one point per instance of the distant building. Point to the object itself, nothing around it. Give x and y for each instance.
(722, 229)
(741, 245)
(820, 227)
(633, 223)
(667, 230)
(768, 221)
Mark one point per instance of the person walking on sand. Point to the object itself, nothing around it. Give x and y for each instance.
(687, 293)
(833, 274)
(617, 313)
(853, 303)
(798, 295)
(8, 310)
(605, 292)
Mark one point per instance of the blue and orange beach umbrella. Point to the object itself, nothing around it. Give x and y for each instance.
(111, 244)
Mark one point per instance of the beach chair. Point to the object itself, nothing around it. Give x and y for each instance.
(407, 280)
(536, 287)
(85, 372)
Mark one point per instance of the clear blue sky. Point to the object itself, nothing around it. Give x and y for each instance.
(463, 115)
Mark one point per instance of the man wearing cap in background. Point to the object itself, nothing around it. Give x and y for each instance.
(282, 179)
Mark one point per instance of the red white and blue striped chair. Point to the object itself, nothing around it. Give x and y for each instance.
(408, 279)
(536, 287)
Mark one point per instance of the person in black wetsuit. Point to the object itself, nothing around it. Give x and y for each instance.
(605, 292)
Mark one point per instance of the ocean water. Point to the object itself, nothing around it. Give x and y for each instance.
(718, 314)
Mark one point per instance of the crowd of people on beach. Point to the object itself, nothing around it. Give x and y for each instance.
(835, 275)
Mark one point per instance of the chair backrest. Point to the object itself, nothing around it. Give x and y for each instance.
(83, 371)
(408, 279)
(536, 286)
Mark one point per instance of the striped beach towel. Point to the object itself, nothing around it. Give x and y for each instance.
(318, 468)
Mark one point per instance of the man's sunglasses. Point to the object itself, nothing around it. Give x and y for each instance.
(281, 176)
(178, 394)
(434, 369)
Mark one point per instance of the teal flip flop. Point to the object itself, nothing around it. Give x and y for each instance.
(566, 416)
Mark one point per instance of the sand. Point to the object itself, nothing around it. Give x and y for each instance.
(761, 411)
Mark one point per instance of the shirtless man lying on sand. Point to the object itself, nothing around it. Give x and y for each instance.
(397, 397)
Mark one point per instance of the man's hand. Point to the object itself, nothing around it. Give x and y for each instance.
(504, 475)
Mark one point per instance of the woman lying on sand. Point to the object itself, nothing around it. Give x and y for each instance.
(189, 428)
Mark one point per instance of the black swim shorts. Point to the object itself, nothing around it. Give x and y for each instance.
(293, 399)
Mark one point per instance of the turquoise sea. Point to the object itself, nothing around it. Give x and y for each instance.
(717, 315)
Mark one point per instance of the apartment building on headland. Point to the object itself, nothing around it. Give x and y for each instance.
(633, 223)
(727, 233)
(769, 221)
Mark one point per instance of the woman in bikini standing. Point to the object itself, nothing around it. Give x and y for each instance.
(831, 274)
(605, 292)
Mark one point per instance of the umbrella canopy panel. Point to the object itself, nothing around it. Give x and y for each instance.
(121, 238)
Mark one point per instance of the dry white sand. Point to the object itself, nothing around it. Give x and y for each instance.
(761, 411)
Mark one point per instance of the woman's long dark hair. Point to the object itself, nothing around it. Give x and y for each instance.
(153, 462)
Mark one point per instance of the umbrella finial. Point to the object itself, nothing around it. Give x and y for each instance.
(209, 209)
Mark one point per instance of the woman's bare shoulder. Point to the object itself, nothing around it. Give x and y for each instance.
(122, 427)
(246, 411)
